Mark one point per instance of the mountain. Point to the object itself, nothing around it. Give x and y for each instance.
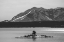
(40, 14)
(5, 21)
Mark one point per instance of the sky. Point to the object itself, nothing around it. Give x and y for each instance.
(10, 8)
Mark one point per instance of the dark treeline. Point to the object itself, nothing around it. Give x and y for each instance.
(32, 24)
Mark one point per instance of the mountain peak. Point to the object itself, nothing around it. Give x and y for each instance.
(41, 14)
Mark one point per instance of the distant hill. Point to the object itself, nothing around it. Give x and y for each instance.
(40, 14)
(5, 21)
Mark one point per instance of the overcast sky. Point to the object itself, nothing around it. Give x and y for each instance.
(10, 8)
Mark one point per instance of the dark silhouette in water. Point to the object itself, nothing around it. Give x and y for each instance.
(31, 35)
(34, 33)
(47, 36)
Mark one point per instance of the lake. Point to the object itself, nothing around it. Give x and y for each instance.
(9, 34)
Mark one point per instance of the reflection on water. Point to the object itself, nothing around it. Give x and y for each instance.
(34, 39)
(9, 36)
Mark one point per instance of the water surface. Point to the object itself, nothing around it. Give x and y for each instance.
(9, 35)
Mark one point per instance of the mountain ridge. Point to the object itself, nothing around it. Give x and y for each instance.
(40, 14)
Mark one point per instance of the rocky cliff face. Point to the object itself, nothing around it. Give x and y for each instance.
(40, 14)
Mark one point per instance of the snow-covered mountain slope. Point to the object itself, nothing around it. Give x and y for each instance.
(40, 14)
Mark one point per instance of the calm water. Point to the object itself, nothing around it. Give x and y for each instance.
(9, 36)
